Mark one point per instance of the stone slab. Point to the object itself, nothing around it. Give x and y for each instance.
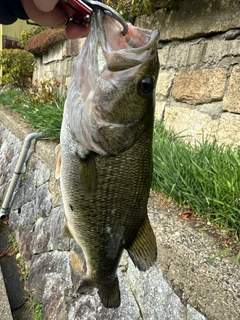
(193, 19)
(228, 131)
(231, 101)
(190, 124)
(200, 86)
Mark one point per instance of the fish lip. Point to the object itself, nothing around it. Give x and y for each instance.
(153, 36)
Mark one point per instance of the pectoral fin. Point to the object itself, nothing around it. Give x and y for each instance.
(88, 175)
(143, 250)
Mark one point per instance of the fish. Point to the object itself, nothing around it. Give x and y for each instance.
(105, 162)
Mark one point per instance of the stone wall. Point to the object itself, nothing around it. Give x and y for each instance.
(199, 51)
(57, 63)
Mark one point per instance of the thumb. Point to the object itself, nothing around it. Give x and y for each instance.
(45, 5)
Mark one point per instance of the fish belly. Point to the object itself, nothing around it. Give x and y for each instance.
(113, 217)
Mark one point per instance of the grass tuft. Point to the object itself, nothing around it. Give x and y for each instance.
(43, 116)
(204, 176)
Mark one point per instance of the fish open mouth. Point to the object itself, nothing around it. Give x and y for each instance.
(134, 38)
(136, 46)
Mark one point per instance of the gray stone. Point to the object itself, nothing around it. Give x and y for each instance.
(231, 34)
(18, 196)
(155, 297)
(89, 307)
(216, 50)
(29, 184)
(43, 200)
(47, 235)
(54, 53)
(42, 173)
(194, 314)
(72, 47)
(24, 242)
(9, 152)
(56, 226)
(50, 275)
(55, 308)
(28, 213)
(40, 236)
(14, 220)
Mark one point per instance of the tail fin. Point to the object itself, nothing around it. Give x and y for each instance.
(108, 293)
(143, 250)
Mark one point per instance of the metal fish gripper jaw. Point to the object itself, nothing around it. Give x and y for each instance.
(81, 11)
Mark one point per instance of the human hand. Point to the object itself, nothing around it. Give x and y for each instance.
(46, 13)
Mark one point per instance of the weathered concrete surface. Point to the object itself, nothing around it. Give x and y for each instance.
(194, 19)
(5, 311)
(212, 287)
(228, 131)
(191, 124)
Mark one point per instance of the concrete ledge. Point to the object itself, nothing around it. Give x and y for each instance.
(5, 311)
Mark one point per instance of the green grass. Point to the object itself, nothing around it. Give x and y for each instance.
(42, 116)
(205, 177)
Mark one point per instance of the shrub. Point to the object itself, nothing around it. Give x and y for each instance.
(40, 43)
(134, 8)
(29, 33)
(17, 66)
(44, 91)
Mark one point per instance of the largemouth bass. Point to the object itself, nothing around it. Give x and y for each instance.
(106, 152)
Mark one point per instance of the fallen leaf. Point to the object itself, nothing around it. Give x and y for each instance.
(8, 252)
(186, 213)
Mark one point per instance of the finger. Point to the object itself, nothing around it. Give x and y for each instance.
(75, 31)
(54, 18)
(45, 5)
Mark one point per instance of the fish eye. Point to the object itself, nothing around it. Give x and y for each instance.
(146, 85)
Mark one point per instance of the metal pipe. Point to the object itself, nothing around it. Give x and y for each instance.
(22, 157)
